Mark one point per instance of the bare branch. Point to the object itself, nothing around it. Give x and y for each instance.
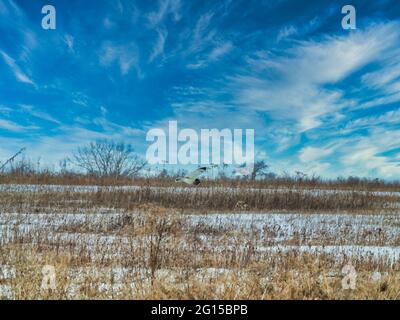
(108, 158)
(11, 159)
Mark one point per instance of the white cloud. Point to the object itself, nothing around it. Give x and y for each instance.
(291, 31)
(365, 156)
(390, 117)
(18, 73)
(14, 127)
(201, 35)
(69, 41)
(381, 78)
(383, 100)
(312, 168)
(108, 23)
(158, 48)
(294, 88)
(296, 93)
(9, 6)
(308, 154)
(165, 7)
(221, 50)
(80, 98)
(205, 44)
(103, 111)
(26, 39)
(66, 139)
(126, 56)
(39, 114)
(15, 7)
(5, 110)
(286, 32)
(215, 54)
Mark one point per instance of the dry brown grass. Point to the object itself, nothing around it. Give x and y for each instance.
(282, 276)
(156, 253)
(292, 182)
(202, 199)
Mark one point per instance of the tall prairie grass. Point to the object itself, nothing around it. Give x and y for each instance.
(155, 254)
(145, 247)
(285, 181)
(203, 200)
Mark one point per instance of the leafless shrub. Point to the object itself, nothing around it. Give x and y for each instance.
(108, 159)
(260, 169)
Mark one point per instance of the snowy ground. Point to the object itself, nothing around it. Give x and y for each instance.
(359, 237)
(368, 236)
(31, 188)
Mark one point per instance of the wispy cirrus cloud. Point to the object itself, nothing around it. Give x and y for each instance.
(8, 7)
(368, 154)
(308, 154)
(14, 127)
(286, 32)
(165, 8)
(216, 53)
(125, 56)
(301, 92)
(318, 97)
(293, 88)
(69, 42)
(158, 48)
(18, 73)
(28, 109)
(383, 78)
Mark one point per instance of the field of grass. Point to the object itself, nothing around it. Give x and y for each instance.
(223, 240)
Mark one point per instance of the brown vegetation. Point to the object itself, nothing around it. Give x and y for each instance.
(139, 242)
(156, 254)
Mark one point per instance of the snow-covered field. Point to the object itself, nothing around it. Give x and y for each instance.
(364, 236)
(118, 244)
(32, 188)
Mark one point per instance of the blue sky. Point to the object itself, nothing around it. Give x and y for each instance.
(321, 99)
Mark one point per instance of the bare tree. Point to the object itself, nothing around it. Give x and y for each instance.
(108, 158)
(260, 169)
